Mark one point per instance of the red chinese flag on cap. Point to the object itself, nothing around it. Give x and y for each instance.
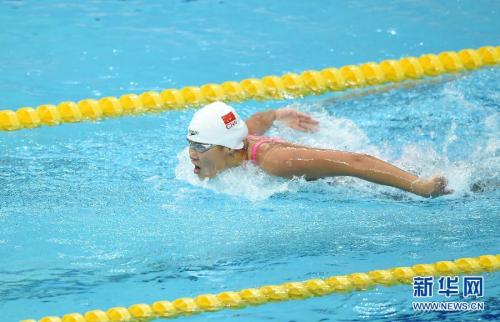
(228, 118)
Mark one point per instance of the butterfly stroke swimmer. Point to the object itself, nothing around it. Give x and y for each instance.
(219, 139)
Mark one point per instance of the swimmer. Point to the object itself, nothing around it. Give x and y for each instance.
(219, 139)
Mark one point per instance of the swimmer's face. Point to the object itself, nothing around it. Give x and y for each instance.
(207, 164)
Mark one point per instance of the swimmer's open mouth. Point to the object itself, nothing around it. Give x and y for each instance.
(197, 169)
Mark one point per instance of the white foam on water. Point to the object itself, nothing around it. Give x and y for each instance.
(334, 133)
(482, 166)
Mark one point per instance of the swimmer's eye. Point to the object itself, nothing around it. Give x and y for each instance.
(200, 147)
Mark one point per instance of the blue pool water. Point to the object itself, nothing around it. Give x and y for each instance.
(103, 214)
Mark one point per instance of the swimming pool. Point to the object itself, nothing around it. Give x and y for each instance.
(95, 215)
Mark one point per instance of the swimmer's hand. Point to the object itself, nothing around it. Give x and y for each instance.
(297, 120)
(433, 187)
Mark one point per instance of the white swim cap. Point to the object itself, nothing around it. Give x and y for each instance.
(218, 123)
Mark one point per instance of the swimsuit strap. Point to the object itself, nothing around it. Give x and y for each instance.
(256, 146)
(260, 140)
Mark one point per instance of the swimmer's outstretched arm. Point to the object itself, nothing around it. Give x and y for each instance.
(260, 122)
(317, 163)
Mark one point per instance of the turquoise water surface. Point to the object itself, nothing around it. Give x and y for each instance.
(101, 214)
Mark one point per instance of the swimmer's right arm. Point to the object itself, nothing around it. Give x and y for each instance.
(318, 163)
(259, 123)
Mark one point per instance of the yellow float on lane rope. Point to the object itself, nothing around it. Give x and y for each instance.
(269, 87)
(283, 292)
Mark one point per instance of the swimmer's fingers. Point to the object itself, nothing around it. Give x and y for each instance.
(296, 126)
(308, 126)
(441, 186)
(303, 126)
(307, 118)
(448, 191)
(287, 112)
(445, 189)
(297, 120)
(305, 122)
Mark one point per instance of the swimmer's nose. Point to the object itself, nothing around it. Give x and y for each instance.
(193, 154)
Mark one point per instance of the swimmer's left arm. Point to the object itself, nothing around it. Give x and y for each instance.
(259, 123)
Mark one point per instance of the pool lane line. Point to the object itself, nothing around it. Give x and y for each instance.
(289, 85)
(283, 292)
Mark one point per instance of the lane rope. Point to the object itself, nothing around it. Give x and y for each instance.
(283, 292)
(269, 87)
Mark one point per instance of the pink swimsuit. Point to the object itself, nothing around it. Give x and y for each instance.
(260, 141)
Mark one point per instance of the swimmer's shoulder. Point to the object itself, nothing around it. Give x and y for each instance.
(275, 158)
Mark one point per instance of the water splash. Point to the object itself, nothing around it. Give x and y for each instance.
(334, 133)
(477, 172)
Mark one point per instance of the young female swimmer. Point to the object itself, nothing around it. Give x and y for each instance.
(219, 139)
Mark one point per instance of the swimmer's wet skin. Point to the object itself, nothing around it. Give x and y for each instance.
(219, 139)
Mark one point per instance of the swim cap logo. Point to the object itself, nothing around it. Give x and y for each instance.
(191, 132)
(229, 120)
